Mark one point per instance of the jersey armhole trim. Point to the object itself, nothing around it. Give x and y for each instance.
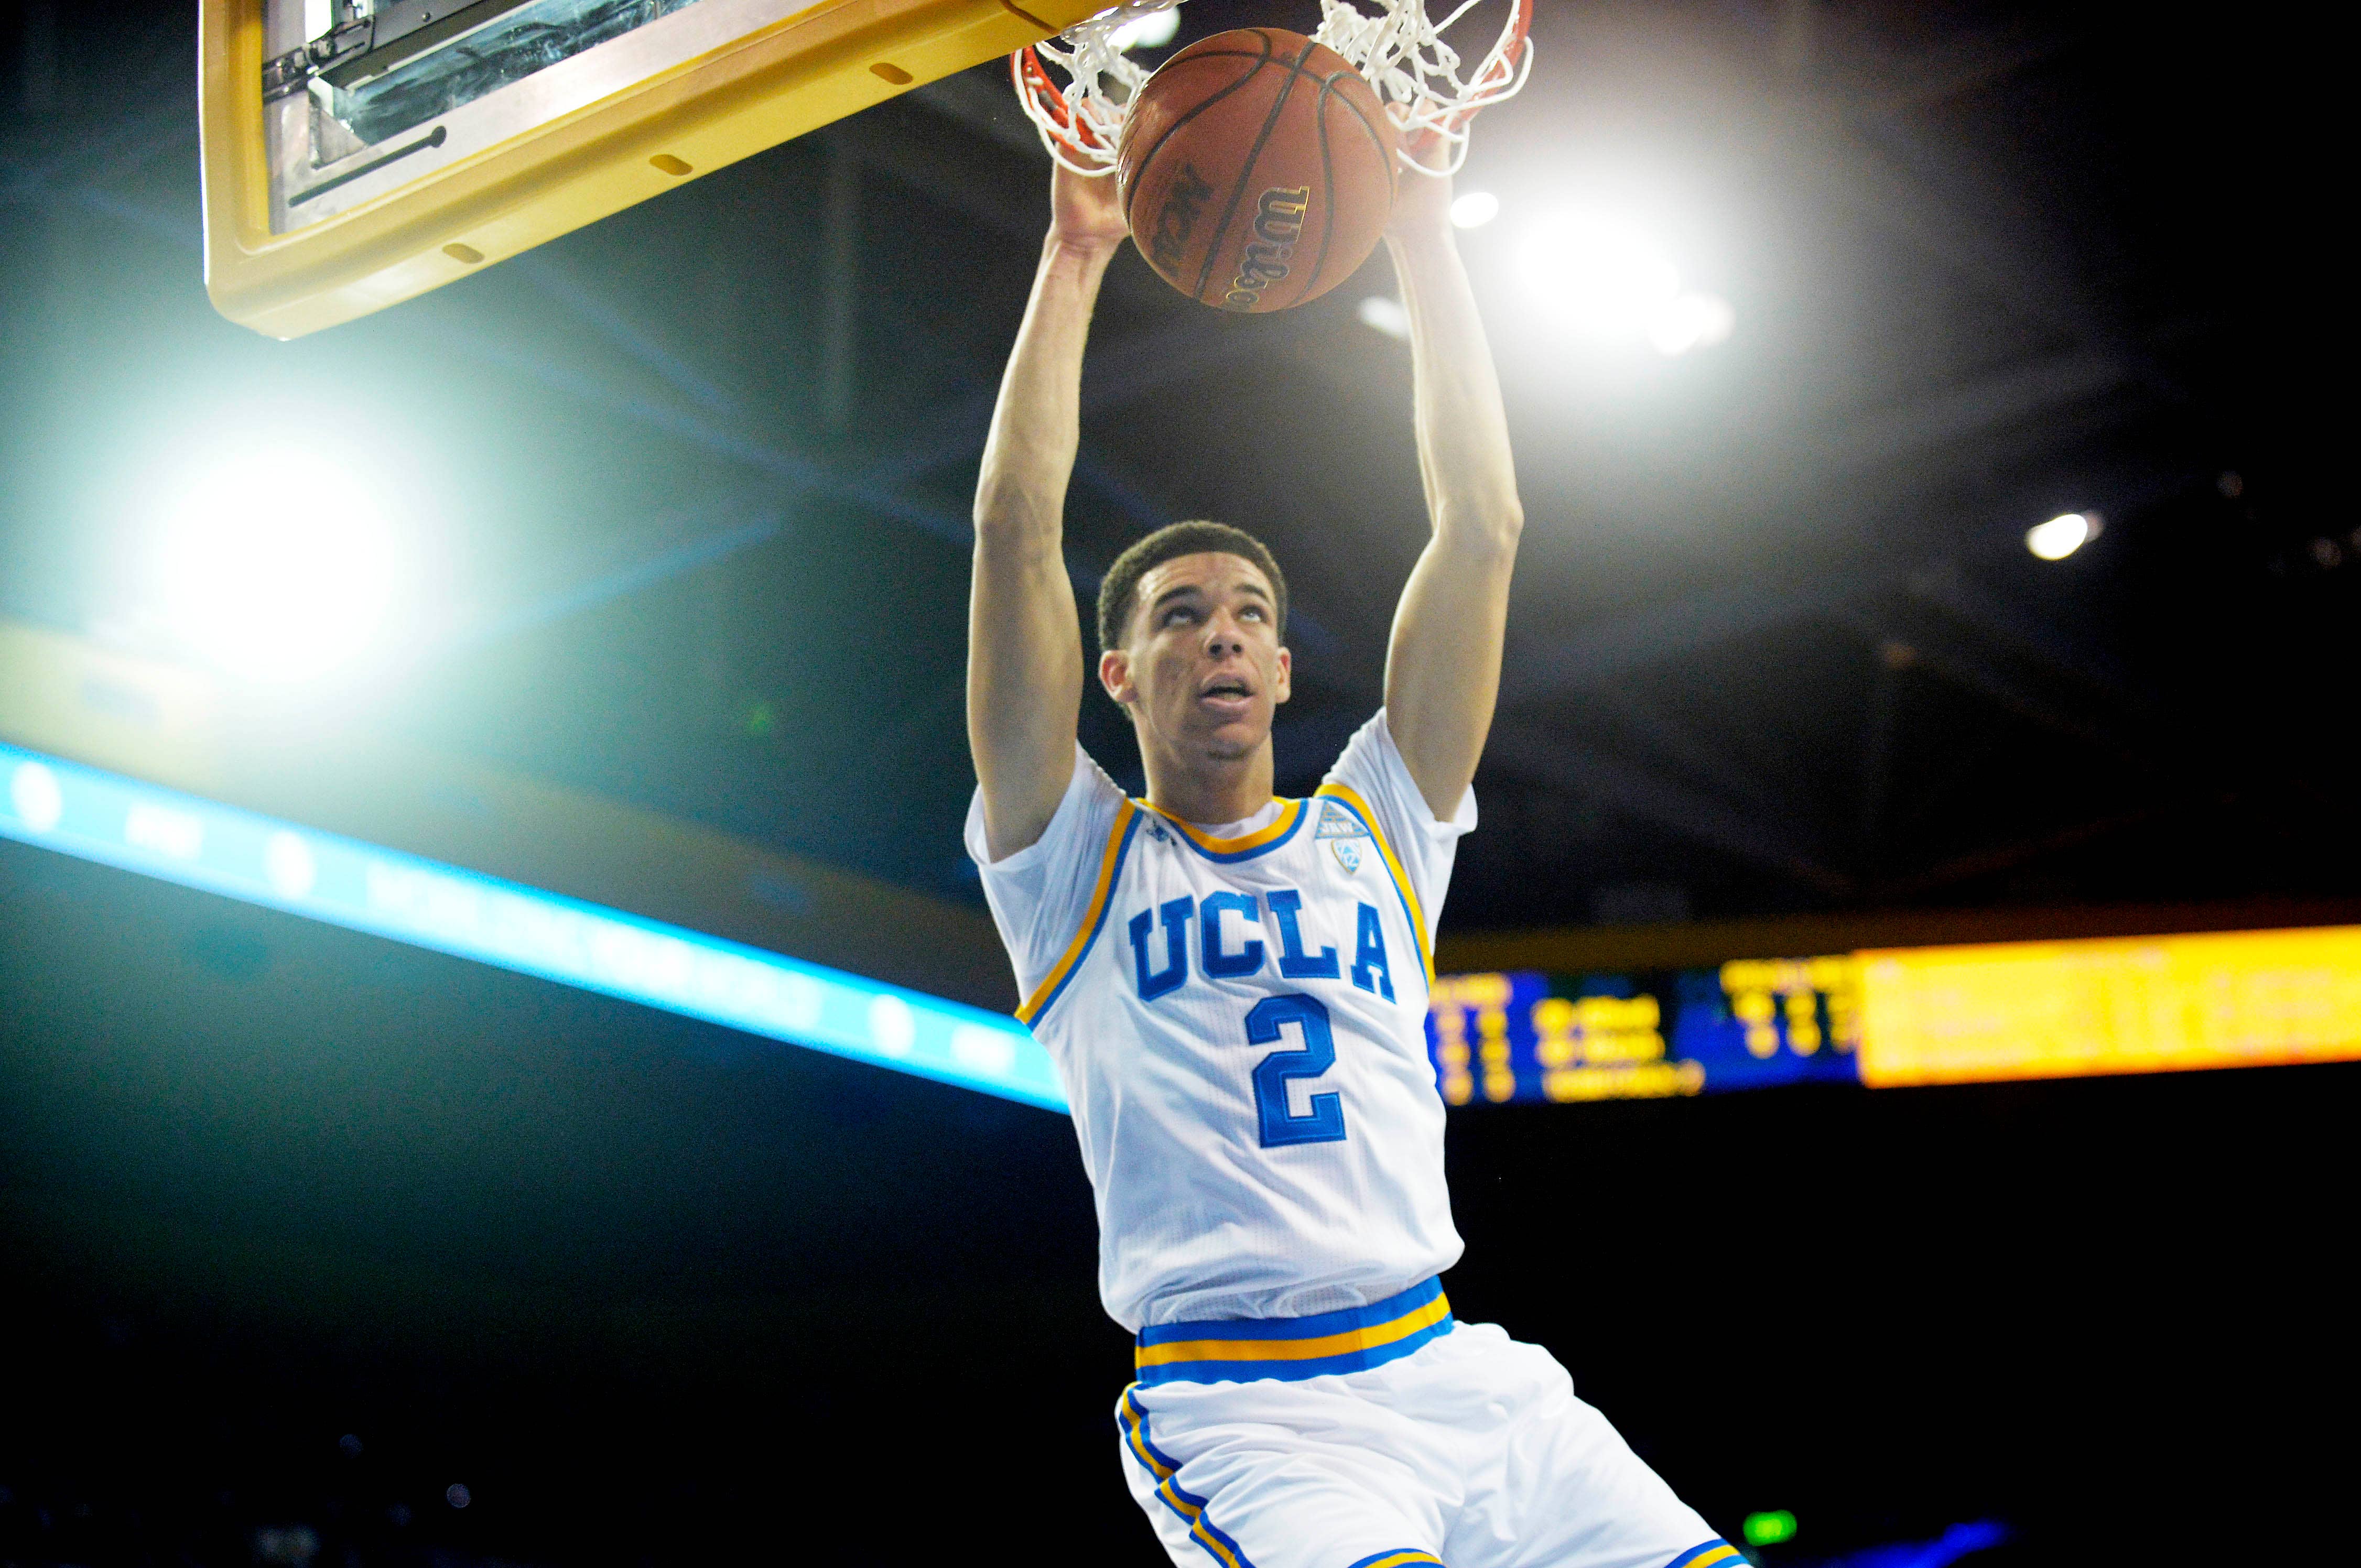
(1245, 846)
(1053, 984)
(1345, 796)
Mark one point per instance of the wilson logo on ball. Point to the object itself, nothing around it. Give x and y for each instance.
(1256, 169)
(1278, 219)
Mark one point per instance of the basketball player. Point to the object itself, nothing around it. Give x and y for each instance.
(1234, 988)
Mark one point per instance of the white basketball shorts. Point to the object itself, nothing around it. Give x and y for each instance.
(1384, 1437)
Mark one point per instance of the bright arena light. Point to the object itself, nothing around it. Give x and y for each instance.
(1611, 282)
(1152, 31)
(34, 794)
(1384, 313)
(275, 566)
(2062, 535)
(1474, 209)
(1691, 320)
(1602, 275)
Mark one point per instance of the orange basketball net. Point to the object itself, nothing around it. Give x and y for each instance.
(1417, 74)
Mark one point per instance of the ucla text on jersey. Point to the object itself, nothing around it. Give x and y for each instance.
(1163, 965)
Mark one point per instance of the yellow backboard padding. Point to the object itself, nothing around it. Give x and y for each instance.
(833, 58)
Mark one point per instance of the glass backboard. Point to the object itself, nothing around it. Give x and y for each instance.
(358, 153)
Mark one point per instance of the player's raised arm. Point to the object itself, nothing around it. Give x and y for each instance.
(1024, 639)
(1443, 670)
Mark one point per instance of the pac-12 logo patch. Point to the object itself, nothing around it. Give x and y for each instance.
(1344, 831)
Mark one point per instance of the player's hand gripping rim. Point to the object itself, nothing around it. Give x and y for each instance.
(1421, 211)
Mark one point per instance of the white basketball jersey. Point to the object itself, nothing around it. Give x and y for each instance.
(1238, 1016)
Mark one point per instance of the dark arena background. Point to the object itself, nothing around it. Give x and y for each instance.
(624, 586)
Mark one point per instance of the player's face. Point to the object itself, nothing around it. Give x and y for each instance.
(1202, 669)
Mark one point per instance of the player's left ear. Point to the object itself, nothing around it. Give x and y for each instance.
(1115, 675)
(1284, 687)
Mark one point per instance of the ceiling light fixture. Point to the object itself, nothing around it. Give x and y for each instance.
(1611, 281)
(1474, 209)
(1152, 31)
(2062, 535)
(1383, 313)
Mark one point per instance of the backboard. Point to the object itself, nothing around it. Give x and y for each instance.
(359, 152)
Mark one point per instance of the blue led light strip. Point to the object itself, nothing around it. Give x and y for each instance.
(177, 838)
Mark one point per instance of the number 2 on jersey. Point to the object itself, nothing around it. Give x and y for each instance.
(1325, 1123)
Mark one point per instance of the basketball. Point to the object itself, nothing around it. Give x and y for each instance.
(1256, 169)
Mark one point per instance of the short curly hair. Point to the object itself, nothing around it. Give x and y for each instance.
(1119, 591)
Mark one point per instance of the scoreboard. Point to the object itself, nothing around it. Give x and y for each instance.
(2150, 1005)
(1892, 1017)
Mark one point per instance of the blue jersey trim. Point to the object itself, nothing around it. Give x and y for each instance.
(1032, 1017)
(1292, 1349)
(1218, 1542)
(1399, 877)
(1159, 1463)
(1293, 1371)
(1292, 815)
(1714, 1553)
(1131, 1416)
(1320, 1325)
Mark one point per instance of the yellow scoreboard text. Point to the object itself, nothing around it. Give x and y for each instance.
(2138, 1005)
